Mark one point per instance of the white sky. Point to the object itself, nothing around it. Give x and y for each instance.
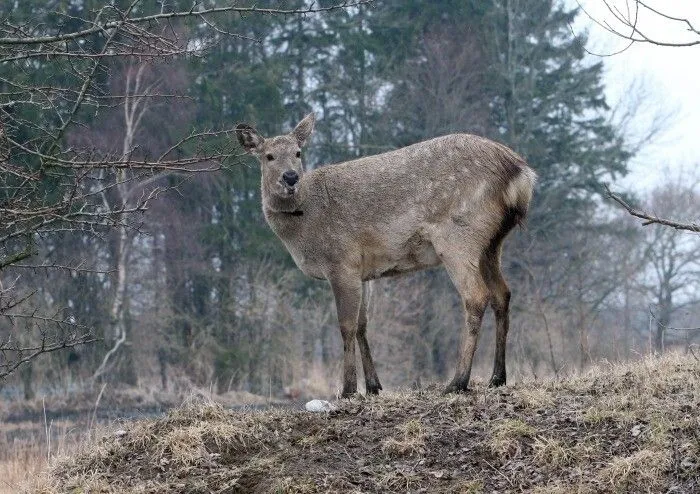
(670, 76)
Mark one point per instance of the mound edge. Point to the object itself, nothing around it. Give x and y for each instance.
(631, 428)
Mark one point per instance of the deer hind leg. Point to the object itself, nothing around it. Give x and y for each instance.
(469, 281)
(500, 301)
(372, 384)
(347, 291)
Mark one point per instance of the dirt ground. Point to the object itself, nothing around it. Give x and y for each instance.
(633, 428)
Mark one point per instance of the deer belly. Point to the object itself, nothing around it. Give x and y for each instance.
(418, 255)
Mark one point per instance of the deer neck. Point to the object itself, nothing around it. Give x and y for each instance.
(291, 205)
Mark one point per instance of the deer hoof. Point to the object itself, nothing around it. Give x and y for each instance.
(455, 387)
(497, 381)
(373, 388)
(349, 391)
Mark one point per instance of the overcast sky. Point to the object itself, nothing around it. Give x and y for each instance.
(670, 76)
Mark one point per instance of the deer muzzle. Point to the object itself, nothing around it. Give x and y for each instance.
(290, 178)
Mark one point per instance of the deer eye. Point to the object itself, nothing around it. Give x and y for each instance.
(298, 154)
(270, 157)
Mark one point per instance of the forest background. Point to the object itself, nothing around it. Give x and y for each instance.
(181, 285)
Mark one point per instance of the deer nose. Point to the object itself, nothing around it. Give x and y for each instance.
(290, 177)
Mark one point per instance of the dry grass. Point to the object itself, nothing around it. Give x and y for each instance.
(631, 428)
(18, 464)
(410, 441)
(26, 448)
(535, 397)
(642, 471)
(507, 436)
(31, 440)
(548, 451)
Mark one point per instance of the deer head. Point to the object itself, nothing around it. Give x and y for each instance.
(280, 161)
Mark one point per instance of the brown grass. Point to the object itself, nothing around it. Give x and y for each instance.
(26, 448)
(19, 462)
(410, 441)
(631, 428)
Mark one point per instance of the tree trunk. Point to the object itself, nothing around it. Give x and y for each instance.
(27, 375)
(665, 308)
(663, 319)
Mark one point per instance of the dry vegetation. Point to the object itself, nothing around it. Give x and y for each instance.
(26, 447)
(632, 428)
(34, 431)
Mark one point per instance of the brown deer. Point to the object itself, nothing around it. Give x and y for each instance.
(450, 200)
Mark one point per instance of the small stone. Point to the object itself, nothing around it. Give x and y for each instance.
(319, 406)
(120, 433)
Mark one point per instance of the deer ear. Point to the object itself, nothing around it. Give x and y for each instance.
(303, 130)
(249, 138)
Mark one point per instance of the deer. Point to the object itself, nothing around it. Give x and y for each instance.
(447, 201)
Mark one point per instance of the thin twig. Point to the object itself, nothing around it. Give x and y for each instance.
(650, 218)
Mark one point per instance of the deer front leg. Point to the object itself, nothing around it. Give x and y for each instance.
(372, 384)
(348, 297)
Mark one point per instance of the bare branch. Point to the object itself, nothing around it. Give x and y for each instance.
(13, 354)
(650, 218)
(202, 13)
(626, 25)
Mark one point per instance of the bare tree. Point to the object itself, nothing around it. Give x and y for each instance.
(443, 90)
(138, 98)
(52, 84)
(630, 20)
(674, 256)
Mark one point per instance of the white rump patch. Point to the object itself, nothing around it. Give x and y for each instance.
(519, 190)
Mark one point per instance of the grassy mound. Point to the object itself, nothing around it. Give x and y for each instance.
(617, 429)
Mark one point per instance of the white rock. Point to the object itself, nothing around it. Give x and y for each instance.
(319, 406)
